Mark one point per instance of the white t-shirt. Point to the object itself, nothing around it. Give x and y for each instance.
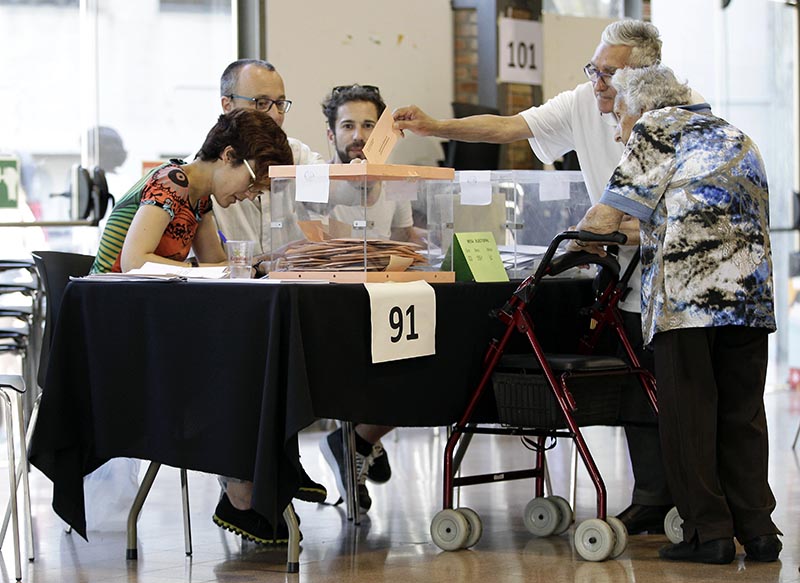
(250, 220)
(384, 215)
(571, 121)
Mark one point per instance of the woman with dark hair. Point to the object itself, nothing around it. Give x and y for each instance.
(168, 213)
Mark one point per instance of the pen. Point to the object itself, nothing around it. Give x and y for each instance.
(221, 237)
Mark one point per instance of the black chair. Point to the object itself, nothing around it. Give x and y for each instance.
(469, 155)
(55, 268)
(24, 340)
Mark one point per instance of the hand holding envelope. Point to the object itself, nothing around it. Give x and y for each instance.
(382, 140)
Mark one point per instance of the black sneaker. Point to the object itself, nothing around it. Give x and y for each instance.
(309, 490)
(249, 524)
(333, 449)
(379, 469)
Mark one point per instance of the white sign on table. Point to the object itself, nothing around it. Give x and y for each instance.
(519, 51)
(403, 320)
(476, 187)
(312, 183)
(553, 186)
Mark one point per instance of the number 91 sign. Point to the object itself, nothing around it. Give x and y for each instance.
(403, 319)
(519, 51)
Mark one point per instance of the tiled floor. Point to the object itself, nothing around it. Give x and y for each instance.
(393, 543)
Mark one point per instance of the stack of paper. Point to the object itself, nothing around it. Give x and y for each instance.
(349, 254)
(152, 270)
(525, 256)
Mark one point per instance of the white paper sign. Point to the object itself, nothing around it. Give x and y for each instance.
(476, 187)
(403, 320)
(553, 186)
(519, 51)
(312, 183)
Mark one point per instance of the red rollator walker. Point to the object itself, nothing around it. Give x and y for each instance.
(540, 403)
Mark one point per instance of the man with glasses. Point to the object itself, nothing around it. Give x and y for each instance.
(352, 112)
(253, 83)
(582, 120)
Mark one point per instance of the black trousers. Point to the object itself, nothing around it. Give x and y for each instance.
(714, 430)
(644, 445)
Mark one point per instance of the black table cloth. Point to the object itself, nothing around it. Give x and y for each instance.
(220, 377)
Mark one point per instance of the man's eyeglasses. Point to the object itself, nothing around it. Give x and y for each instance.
(594, 74)
(252, 174)
(368, 88)
(265, 104)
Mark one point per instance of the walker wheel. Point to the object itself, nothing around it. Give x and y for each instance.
(620, 534)
(673, 526)
(475, 526)
(541, 517)
(449, 530)
(594, 540)
(565, 510)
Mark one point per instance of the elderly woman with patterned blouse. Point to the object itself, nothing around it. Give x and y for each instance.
(698, 187)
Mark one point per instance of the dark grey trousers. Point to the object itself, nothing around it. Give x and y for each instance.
(644, 444)
(714, 430)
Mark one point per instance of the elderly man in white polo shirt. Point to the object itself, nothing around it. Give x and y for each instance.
(582, 120)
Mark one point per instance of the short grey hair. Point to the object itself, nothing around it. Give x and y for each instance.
(230, 76)
(642, 36)
(649, 88)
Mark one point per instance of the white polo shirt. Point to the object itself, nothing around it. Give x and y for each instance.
(571, 121)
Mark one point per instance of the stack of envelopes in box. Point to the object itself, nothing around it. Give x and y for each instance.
(351, 255)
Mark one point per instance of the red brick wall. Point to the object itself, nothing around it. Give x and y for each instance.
(512, 98)
(465, 59)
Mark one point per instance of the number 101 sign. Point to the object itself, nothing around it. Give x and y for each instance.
(403, 320)
(519, 51)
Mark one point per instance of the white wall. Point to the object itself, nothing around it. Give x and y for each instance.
(569, 43)
(742, 59)
(405, 48)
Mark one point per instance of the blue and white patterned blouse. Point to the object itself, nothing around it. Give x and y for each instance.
(699, 188)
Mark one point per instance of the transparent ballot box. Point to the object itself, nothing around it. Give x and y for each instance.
(361, 222)
(523, 209)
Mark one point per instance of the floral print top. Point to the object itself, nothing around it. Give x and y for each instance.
(698, 186)
(168, 188)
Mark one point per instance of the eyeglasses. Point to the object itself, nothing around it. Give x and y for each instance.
(265, 104)
(252, 174)
(594, 74)
(367, 88)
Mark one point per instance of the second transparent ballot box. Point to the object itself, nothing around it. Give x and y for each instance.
(392, 222)
(523, 209)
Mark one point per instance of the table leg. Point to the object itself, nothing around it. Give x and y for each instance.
(187, 521)
(293, 552)
(349, 438)
(132, 552)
